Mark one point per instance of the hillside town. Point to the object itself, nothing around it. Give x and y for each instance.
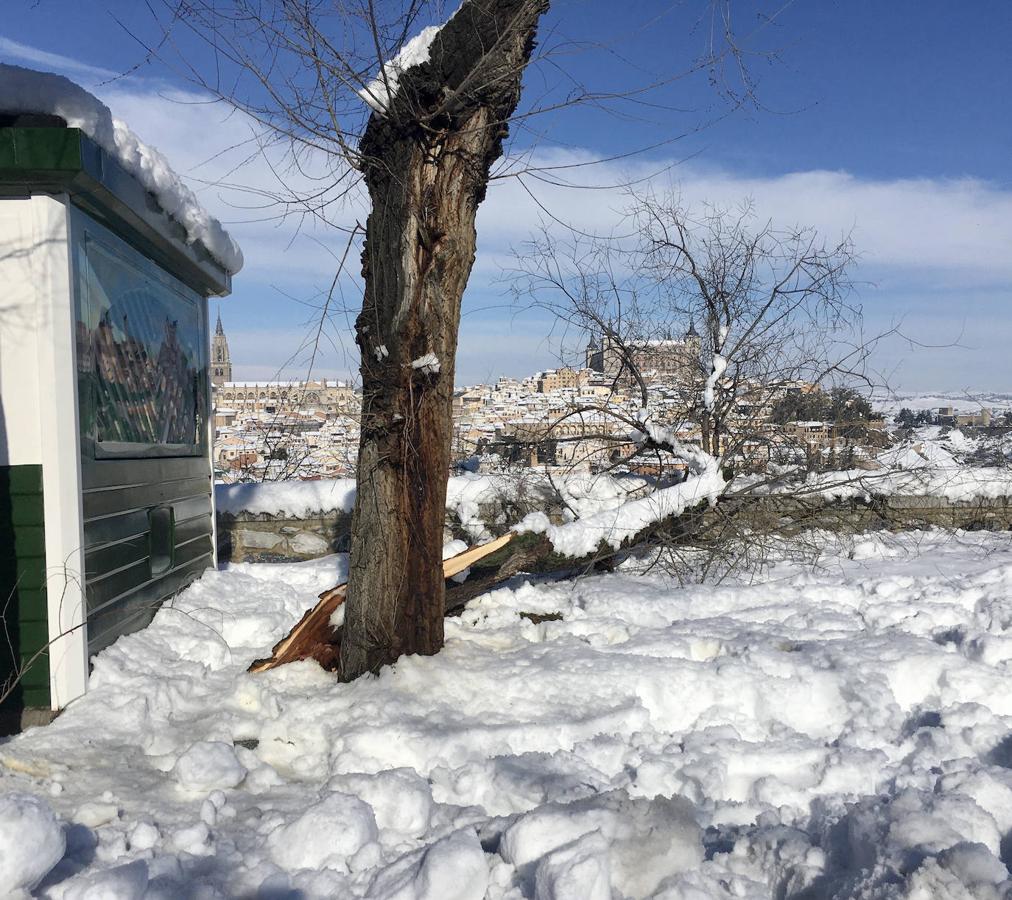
(568, 419)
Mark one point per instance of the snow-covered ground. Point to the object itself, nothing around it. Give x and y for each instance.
(970, 400)
(842, 731)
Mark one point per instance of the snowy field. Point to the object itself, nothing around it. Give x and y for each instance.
(970, 400)
(843, 731)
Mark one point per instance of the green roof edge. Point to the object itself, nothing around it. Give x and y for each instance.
(65, 160)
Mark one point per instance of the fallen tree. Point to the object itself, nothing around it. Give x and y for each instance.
(315, 637)
(534, 546)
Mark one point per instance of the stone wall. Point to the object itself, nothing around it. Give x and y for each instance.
(895, 513)
(261, 537)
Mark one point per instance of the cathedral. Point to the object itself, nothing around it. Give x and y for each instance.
(221, 362)
(273, 397)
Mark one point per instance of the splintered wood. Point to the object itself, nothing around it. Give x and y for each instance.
(314, 637)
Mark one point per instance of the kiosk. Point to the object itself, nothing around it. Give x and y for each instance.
(106, 493)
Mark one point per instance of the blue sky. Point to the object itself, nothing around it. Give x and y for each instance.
(892, 121)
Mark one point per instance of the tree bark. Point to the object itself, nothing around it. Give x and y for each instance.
(426, 165)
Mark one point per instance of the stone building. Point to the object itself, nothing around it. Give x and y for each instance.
(328, 396)
(665, 359)
(557, 379)
(252, 397)
(221, 361)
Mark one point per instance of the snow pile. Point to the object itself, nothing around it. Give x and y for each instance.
(379, 92)
(607, 840)
(929, 447)
(916, 455)
(208, 765)
(328, 835)
(31, 842)
(960, 484)
(293, 498)
(28, 91)
(466, 496)
(839, 732)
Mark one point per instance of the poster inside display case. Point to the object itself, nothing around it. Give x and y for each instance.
(141, 353)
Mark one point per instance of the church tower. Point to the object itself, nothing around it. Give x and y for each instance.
(221, 362)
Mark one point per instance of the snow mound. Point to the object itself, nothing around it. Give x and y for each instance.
(325, 836)
(400, 799)
(208, 765)
(29, 91)
(641, 842)
(923, 452)
(31, 842)
(453, 868)
(128, 882)
(465, 495)
(296, 498)
(839, 731)
(579, 870)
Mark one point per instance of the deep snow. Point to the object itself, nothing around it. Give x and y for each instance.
(842, 731)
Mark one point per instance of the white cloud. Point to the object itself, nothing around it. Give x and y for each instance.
(913, 224)
(41, 59)
(949, 236)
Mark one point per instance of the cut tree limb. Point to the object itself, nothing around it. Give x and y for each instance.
(313, 637)
(491, 564)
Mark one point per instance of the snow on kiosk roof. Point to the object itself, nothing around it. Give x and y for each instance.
(97, 154)
(107, 262)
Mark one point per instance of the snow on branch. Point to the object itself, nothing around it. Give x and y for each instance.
(694, 456)
(717, 370)
(380, 92)
(28, 91)
(582, 537)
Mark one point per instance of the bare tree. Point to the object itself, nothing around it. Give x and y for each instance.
(707, 329)
(425, 156)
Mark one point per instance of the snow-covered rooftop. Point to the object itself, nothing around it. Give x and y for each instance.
(29, 91)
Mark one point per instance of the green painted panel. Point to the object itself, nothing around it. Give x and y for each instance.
(36, 697)
(30, 540)
(29, 150)
(30, 576)
(26, 510)
(33, 634)
(36, 670)
(22, 480)
(23, 586)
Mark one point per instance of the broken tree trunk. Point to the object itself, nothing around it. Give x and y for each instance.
(491, 564)
(426, 162)
(313, 636)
